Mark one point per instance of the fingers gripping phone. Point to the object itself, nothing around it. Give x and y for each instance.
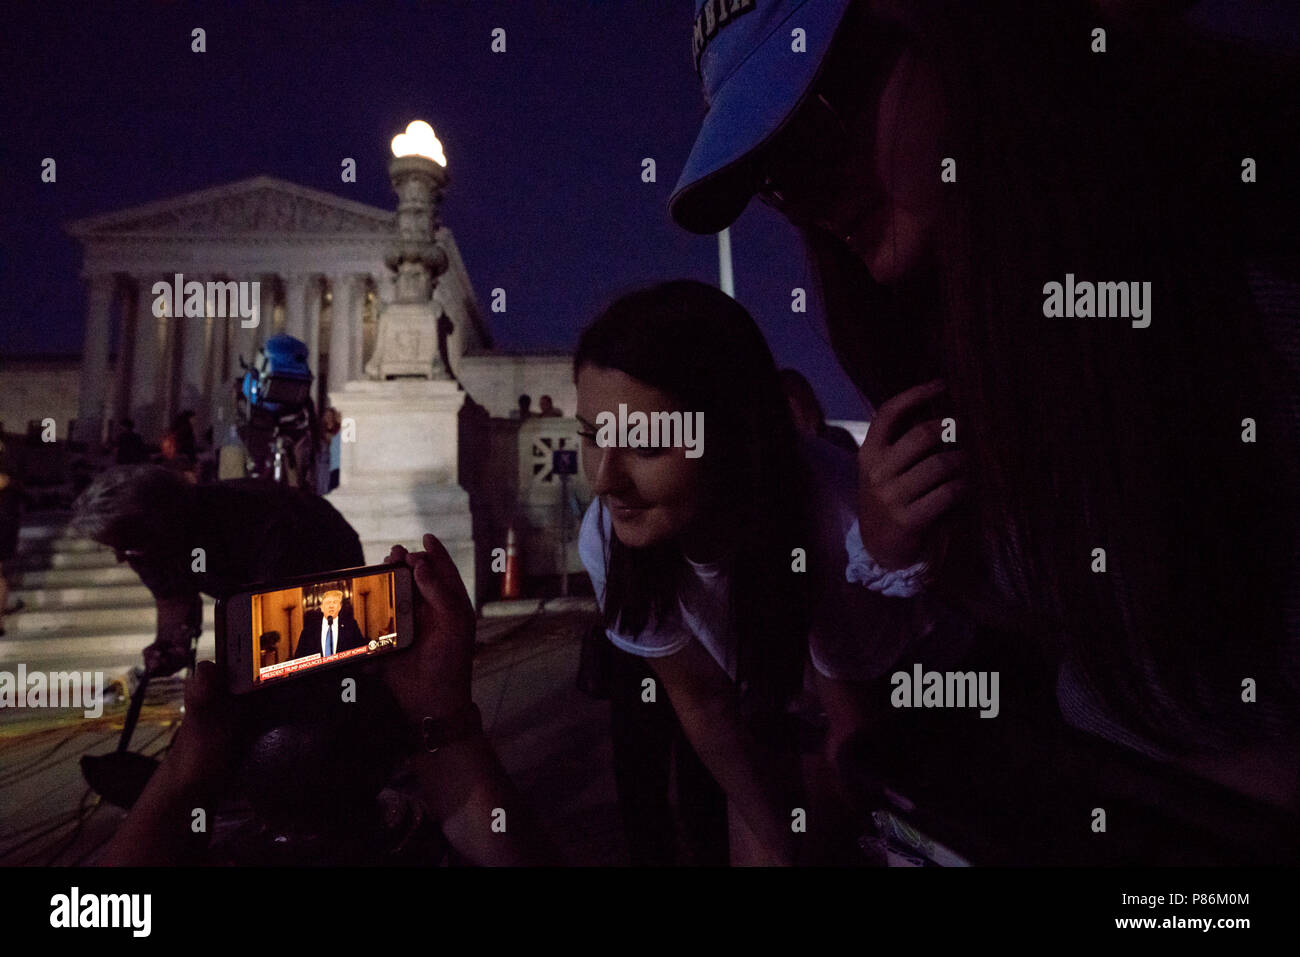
(271, 632)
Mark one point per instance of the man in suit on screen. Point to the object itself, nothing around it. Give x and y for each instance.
(327, 631)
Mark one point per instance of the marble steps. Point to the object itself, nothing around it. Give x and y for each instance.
(82, 609)
(113, 650)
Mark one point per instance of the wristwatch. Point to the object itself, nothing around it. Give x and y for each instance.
(438, 733)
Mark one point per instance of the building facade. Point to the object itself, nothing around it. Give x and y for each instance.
(318, 260)
(320, 265)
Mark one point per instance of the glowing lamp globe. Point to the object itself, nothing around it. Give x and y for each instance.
(419, 140)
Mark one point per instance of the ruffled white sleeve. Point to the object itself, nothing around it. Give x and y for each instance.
(862, 568)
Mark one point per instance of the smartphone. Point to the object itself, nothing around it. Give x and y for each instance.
(272, 632)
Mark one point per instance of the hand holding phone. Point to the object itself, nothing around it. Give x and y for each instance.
(277, 631)
(434, 680)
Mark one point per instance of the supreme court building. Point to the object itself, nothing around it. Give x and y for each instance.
(319, 260)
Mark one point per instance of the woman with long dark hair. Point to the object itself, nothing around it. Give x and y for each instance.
(718, 557)
(1126, 505)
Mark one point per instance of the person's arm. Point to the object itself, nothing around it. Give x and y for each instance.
(162, 828)
(179, 609)
(178, 620)
(463, 783)
(707, 706)
(835, 816)
(482, 814)
(846, 713)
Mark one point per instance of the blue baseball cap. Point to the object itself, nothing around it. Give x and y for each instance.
(754, 80)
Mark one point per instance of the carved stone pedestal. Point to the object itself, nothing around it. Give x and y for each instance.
(398, 478)
(408, 343)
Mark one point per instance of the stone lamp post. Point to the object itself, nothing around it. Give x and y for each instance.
(408, 340)
(400, 462)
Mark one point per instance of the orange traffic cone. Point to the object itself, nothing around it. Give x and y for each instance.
(510, 587)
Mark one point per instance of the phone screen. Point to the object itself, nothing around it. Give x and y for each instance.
(290, 628)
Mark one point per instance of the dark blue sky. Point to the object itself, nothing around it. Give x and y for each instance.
(544, 145)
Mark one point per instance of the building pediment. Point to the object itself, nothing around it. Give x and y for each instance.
(266, 226)
(262, 206)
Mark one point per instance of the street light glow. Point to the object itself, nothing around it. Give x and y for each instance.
(419, 140)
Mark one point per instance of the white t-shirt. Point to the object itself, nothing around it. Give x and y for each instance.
(856, 634)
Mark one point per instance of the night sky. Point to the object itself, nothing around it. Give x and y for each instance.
(544, 144)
